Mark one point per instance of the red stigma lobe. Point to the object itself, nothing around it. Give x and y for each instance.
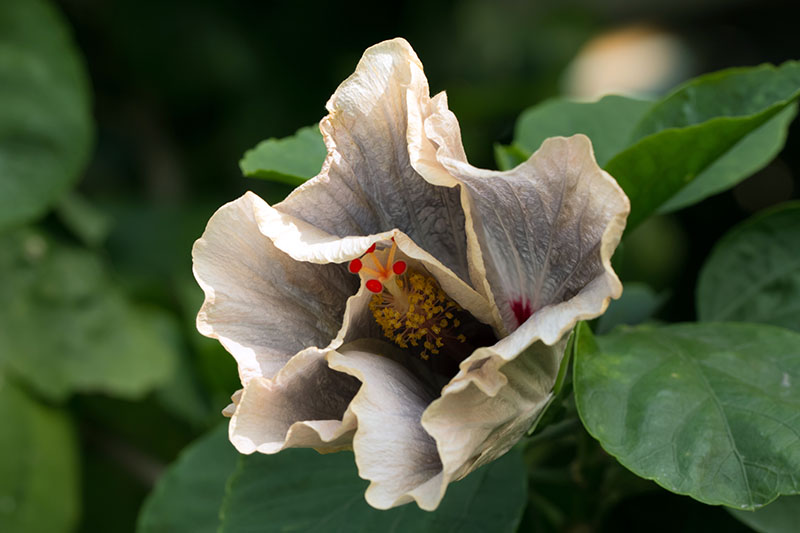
(355, 265)
(373, 285)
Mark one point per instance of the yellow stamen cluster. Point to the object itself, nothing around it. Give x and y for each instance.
(426, 316)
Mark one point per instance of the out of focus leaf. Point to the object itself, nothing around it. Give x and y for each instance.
(781, 516)
(608, 122)
(753, 273)
(45, 116)
(637, 303)
(182, 395)
(67, 328)
(39, 487)
(747, 157)
(216, 367)
(507, 157)
(188, 497)
(291, 160)
(681, 136)
(83, 219)
(707, 410)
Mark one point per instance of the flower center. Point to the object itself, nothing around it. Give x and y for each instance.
(423, 317)
(414, 312)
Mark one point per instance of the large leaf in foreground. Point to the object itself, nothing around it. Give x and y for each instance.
(39, 487)
(67, 328)
(753, 273)
(45, 116)
(688, 131)
(291, 160)
(708, 410)
(301, 490)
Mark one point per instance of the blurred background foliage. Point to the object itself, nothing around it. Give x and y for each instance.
(98, 351)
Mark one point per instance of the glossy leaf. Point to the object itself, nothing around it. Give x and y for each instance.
(291, 160)
(608, 122)
(781, 516)
(707, 410)
(753, 273)
(747, 157)
(39, 473)
(66, 328)
(688, 131)
(301, 490)
(611, 121)
(45, 115)
(188, 497)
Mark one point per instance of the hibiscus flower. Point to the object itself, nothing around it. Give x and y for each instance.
(402, 303)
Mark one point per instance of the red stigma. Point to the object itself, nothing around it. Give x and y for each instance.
(522, 309)
(399, 267)
(355, 265)
(373, 285)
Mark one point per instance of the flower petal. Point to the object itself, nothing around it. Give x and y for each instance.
(367, 184)
(261, 304)
(473, 423)
(305, 242)
(569, 218)
(305, 405)
(392, 449)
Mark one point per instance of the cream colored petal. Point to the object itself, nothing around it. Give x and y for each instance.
(261, 304)
(540, 234)
(305, 242)
(305, 405)
(367, 185)
(392, 449)
(474, 424)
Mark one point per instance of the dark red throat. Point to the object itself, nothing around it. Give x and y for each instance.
(522, 309)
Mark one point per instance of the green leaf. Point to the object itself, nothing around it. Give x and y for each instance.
(67, 328)
(85, 221)
(747, 157)
(781, 516)
(507, 157)
(182, 395)
(301, 490)
(39, 486)
(45, 115)
(188, 497)
(608, 122)
(290, 160)
(707, 410)
(688, 131)
(637, 303)
(753, 273)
